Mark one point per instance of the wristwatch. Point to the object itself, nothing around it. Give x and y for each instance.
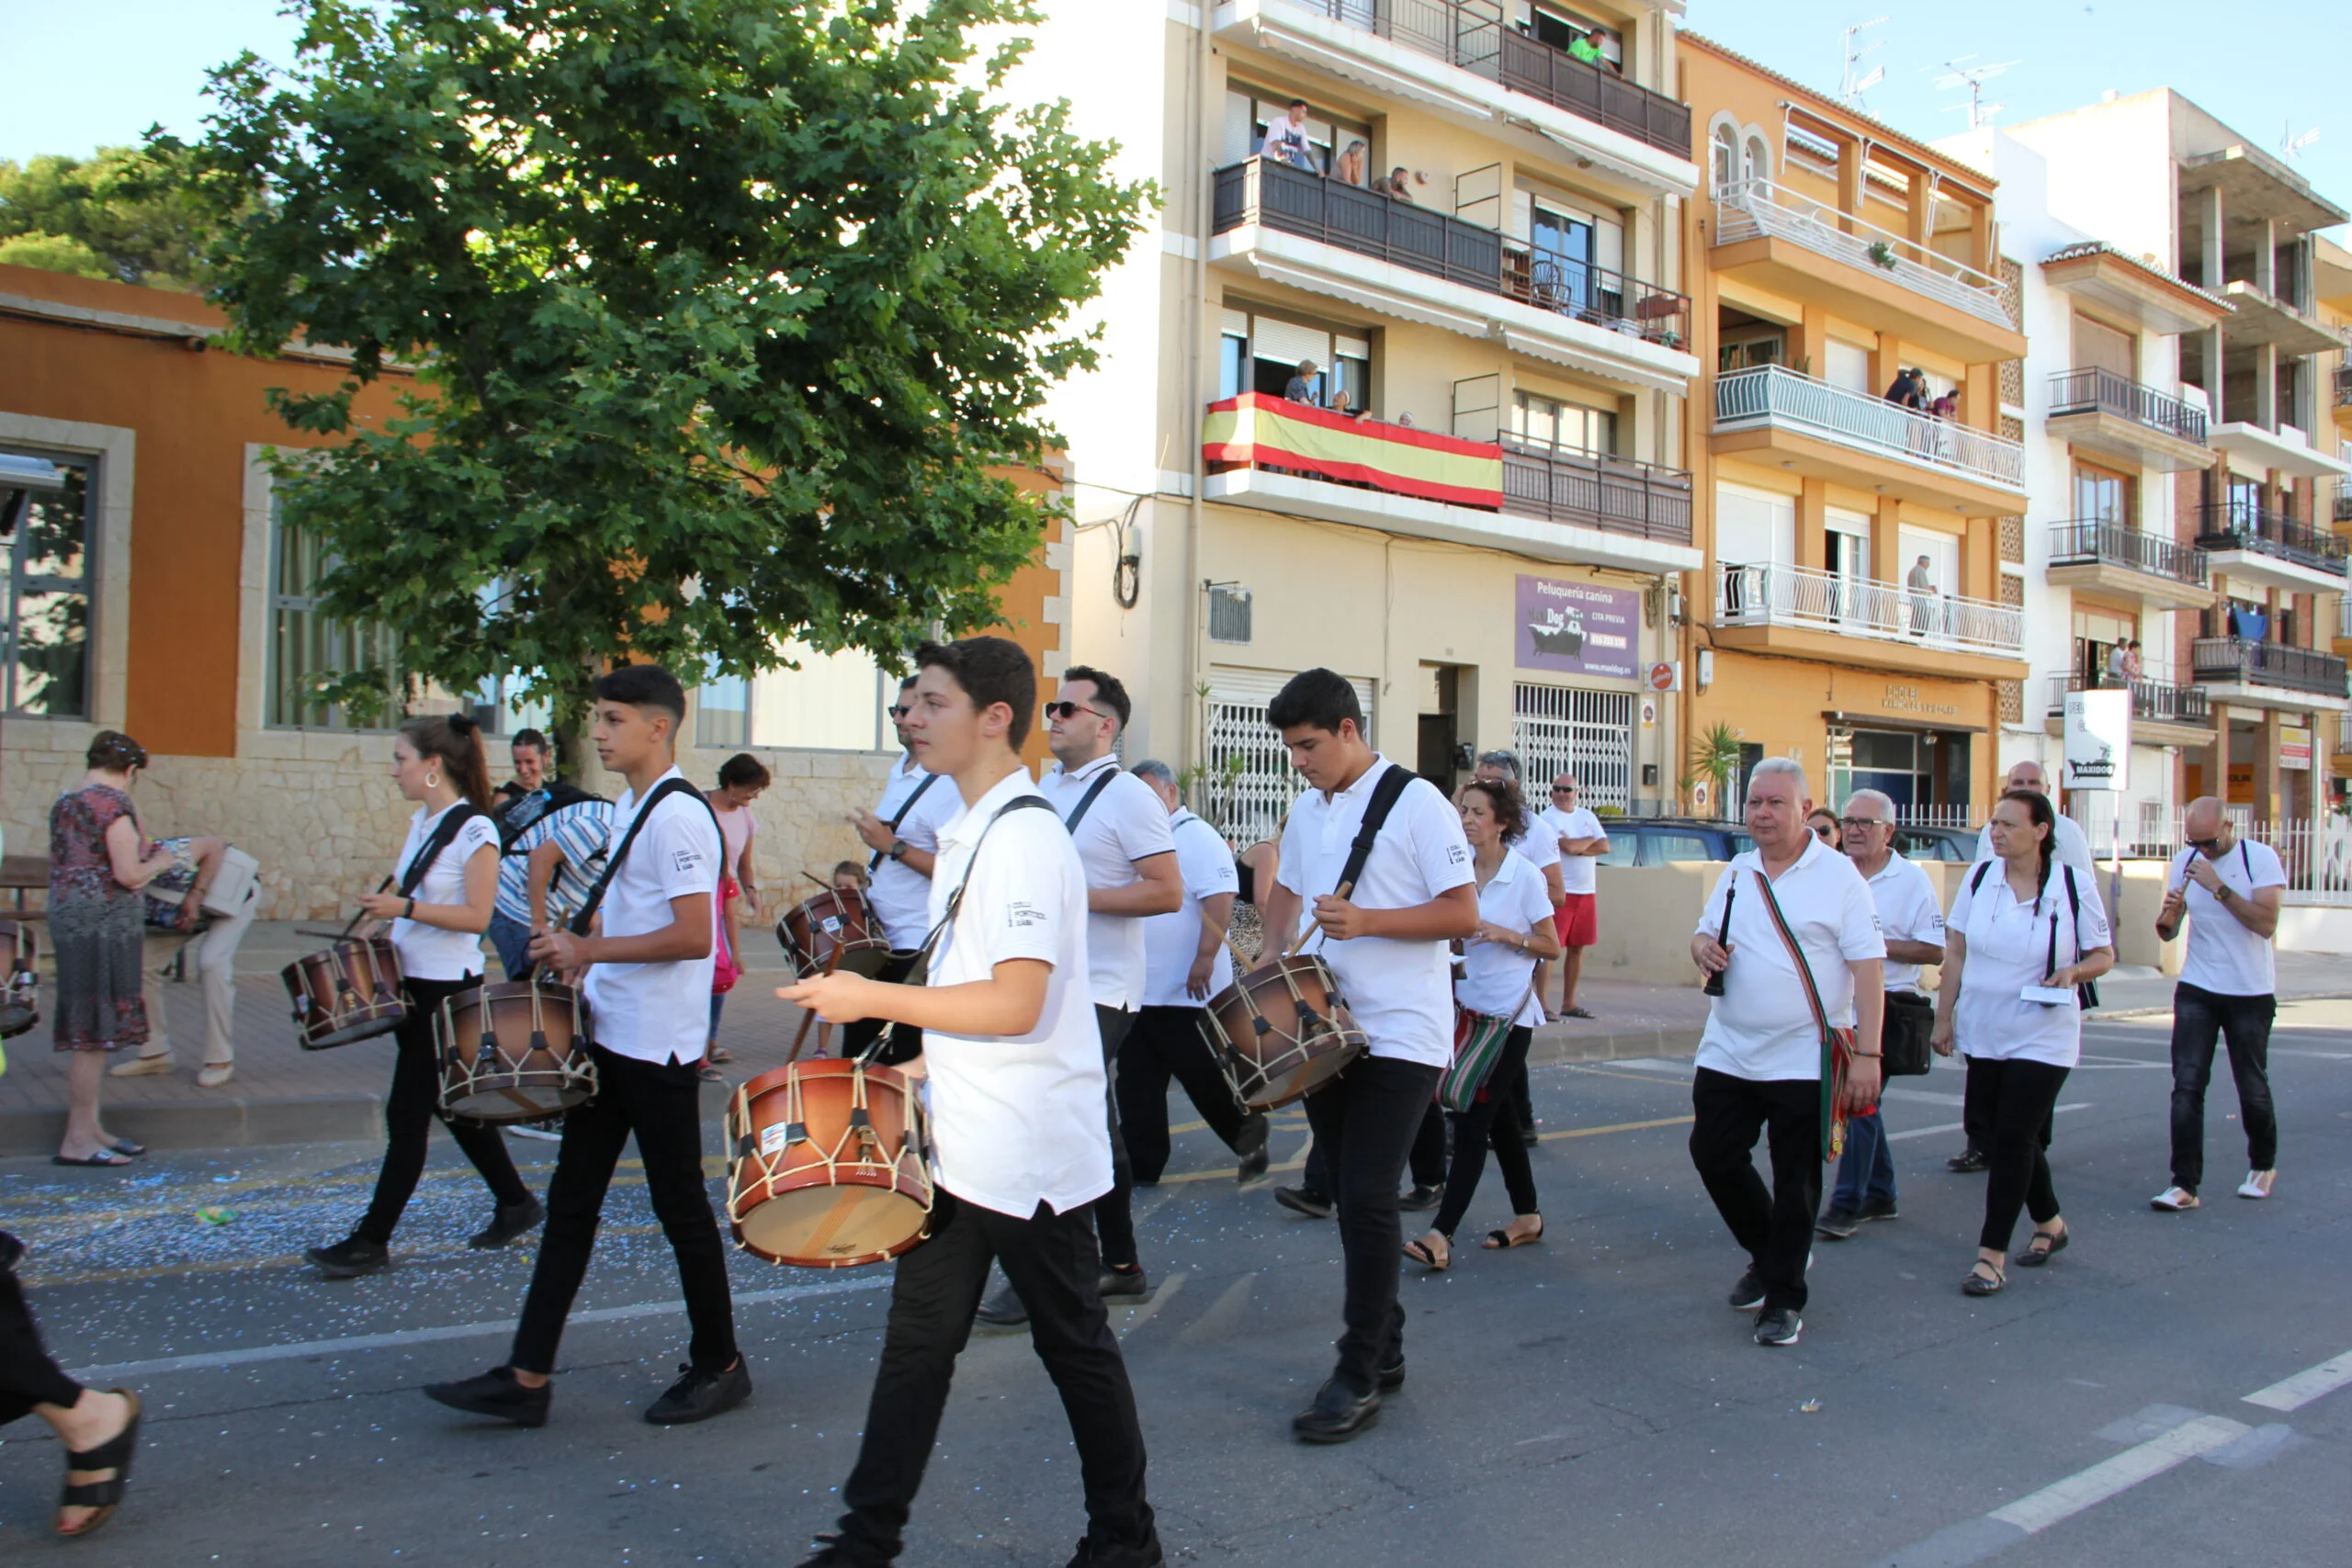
(898, 850)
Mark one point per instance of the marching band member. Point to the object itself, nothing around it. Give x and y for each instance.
(447, 885)
(902, 832)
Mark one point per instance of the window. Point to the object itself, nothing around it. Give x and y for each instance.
(1571, 730)
(1546, 422)
(2102, 497)
(1559, 27)
(2098, 347)
(1758, 163)
(47, 630)
(834, 702)
(1244, 748)
(305, 644)
(1260, 354)
(1250, 115)
(1723, 154)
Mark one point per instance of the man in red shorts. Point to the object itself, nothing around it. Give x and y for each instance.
(1582, 842)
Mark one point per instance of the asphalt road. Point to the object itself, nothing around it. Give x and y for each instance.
(1589, 1400)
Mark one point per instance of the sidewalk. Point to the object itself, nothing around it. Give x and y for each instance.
(283, 1094)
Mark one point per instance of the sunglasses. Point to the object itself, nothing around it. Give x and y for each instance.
(1068, 710)
(1564, 789)
(1821, 832)
(901, 711)
(2208, 845)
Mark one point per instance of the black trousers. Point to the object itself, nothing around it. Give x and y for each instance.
(1166, 1043)
(1053, 1263)
(2018, 1097)
(27, 1376)
(1364, 1122)
(2197, 1015)
(413, 1105)
(1491, 1122)
(661, 1103)
(1425, 1159)
(1114, 1222)
(906, 1041)
(1775, 1225)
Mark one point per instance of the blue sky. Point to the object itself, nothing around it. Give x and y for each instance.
(87, 72)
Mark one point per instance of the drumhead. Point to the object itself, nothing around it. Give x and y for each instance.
(833, 1227)
(367, 1027)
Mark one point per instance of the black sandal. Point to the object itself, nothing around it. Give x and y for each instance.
(1977, 1284)
(1419, 1251)
(106, 1495)
(2038, 1250)
(1503, 1241)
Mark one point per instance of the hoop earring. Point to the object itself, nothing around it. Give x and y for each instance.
(433, 781)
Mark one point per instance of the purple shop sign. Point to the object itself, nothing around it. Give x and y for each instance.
(1577, 628)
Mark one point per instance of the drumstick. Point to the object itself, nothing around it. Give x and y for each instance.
(363, 914)
(1313, 930)
(809, 1015)
(819, 881)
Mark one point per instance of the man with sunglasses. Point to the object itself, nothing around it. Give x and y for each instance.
(1124, 840)
(902, 832)
(1582, 842)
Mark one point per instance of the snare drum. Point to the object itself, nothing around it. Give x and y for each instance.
(512, 1052)
(350, 991)
(19, 987)
(1280, 1032)
(825, 1166)
(836, 921)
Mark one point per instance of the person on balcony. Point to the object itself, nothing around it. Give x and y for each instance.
(1300, 388)
(1400, 182)
(1908, 390)
(1286, 140)
(2119, 664)
(1922, 583)
(2133, 667)
(1593, 49)
(1351, 166)
(1345, 407)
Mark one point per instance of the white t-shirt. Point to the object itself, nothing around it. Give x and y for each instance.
(2073, 847)
(428, 953)
(1126, 824)
(2008, 949)
(900, 895)
(1401, 993)
(1016, 1120)
(1495, 978)
(1170, 941)
(1909, 910)
(2224, 956)
(1578, 873)
(656, 1012)
(1539, 846)
(1761, 1028)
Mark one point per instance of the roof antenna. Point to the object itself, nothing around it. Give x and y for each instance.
(1851, 87)
(2291, 146)
(1958, 74)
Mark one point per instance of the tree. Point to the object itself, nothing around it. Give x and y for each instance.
(725, 318)
(124, 213)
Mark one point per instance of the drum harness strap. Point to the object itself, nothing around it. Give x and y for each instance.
(1086, 802)
(874, 862)
(1384, 793)
(586, 915)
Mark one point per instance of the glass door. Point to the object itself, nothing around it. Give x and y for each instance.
(1563, 266)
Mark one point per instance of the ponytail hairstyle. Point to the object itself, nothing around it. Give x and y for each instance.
(456, 743)
(2043, 816)
(114, 752)
(1503, 798)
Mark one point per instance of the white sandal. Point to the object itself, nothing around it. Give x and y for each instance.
(2257, 1183)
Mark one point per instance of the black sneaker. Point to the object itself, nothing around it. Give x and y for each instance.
(1003, 1308)
(1528, 1137)
(1299, 1200)
(1777, 1326)
(1096, 1553)
(1837, 1224)
(699, 1395)
(495, 1393)
(831, 1551)
(1420, 1198)
(1968, 1162)
(511, 1221)
(1748, 1294)
(1336, 1415)
(1880, 1209)
(1392, 1376)
(1249, 1154)
(350, 1257)
(1116, 1281)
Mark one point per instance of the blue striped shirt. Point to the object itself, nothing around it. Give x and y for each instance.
(581, 831)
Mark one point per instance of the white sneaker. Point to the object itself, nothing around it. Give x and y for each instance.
(2257, 1183)
(2174, 1200)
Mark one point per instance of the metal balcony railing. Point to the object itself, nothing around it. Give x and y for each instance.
(2114, 544)
(2344, 615)
(2230, 660)
(1808, 597)
(2242, 525)
(1472, 35)
(1616, 494)
(1745, 209)
(2158, 701)
(2343, 507)
(2093, 391)
(2344, 385)
(1776, 394)
(1274, 195)
(2343, 733)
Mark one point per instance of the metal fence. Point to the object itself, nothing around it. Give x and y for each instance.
(1569, 729)
(1616, 494)
(2091, 388)
(2242, 525)
(2118, 544)
(1775, 394)
(1853, 606)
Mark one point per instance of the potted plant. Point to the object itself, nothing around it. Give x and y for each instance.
(1883, 254)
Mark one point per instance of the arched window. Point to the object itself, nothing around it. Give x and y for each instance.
(1726, 162)
(1759, 163)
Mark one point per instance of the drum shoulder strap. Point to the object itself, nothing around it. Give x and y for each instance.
(1384, 795)
(589, 905)
(1086, 801)
(873, 863)
(444, 834)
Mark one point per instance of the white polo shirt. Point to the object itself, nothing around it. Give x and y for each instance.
(656, 1012)
(1206, 862)
(1400, 992)
(2010, 947)
(1494, 980)
(2224, 956)
(1909, 910)
(429, 953)
(2073, 847)
(901, 896)
(1578, 873)
(1126, 824)
(1538, 845)
(1761, 1028)
(1016, 1120)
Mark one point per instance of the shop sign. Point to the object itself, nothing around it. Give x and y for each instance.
(2295, 746)
(2098, 739)
(1579, 629)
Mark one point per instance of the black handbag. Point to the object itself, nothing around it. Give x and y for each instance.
(1910, 1019)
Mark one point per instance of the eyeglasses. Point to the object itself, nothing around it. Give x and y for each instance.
(1066, 710)
(901, 711)
(1853, 823)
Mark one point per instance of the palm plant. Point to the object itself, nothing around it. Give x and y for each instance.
(1714, 757)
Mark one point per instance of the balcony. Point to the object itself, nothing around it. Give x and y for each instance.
(2341, 509)
(1778, 240)
(2285, 448)
(2101, 412)
(1807, 613)
(2162, 573)
(2250, 543)
(2268, 674)
(1302, 461)
(2344, 625)
(1287, 226)
(1852, 438)
(1460, 58)
(2258, 316)
(2162, 713)
(2342, 383)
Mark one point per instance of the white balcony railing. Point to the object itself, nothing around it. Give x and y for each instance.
(1772, 394)
(1816, 599)
(1745, 209)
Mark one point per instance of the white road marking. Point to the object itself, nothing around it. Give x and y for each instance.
(1673, 1068)
(1922, 1096)
(2088, 1488)
(1961, 1126)
(2294, 1393)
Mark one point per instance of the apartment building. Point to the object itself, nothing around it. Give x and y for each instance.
(2332, 284)
(2159, 179)
(1397, 386)
(1852, 611)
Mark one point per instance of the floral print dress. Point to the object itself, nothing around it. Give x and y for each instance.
(95, 926)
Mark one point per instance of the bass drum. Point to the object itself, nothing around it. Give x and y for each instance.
(825, 1165)
(1280, 1032)
(514, 1051)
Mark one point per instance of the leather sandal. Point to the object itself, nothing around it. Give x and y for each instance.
(1420, 1252)
(2043, 1246)
(1503, 1241)
(1977, 1284)
(106, 1495)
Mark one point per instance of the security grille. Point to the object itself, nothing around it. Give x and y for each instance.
(1566, 729)
(1245, 800)
(1228, 613)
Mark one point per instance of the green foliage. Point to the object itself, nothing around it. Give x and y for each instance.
(1608, 811)
(1714, 756)
(126, 211)
(721, 317)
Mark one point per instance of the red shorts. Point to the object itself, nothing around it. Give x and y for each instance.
(1578, 919)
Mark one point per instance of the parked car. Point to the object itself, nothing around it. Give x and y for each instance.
(1660, 841)
(1956, 845)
